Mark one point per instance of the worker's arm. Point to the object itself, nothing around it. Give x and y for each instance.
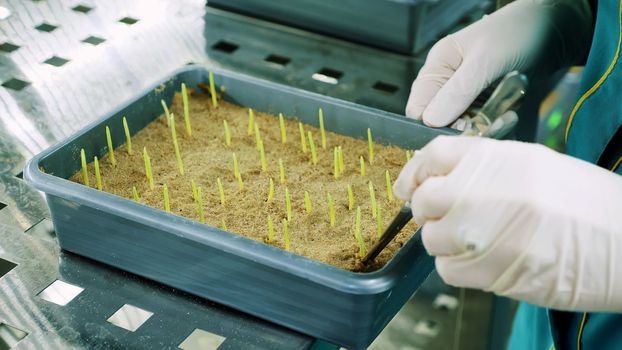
(533, 36)
(519, 220)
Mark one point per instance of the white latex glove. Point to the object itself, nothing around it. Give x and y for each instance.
(532, 36)
(519, 220)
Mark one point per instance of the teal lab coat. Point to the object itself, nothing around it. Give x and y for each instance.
(594, 134)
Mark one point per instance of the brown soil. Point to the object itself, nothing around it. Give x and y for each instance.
(206, 158)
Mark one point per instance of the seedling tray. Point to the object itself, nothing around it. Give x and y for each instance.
(343, 307)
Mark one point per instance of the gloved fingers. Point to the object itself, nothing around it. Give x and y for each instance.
(452, 272)
(441, 63)
(441, 155)
(470, 270)
(456, 95)
(439, 240)
(432, 200)
(461, 123)
(437, 158)
(404, 185)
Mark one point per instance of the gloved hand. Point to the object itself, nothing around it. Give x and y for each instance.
(533, 36)
(519, 220)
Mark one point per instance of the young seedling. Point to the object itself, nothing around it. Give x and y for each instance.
(262, 157)
(362, 161)
(167, 113)
(357, 233)
(350, 198)
(85, 173)
(322, 131)
(167, 202)
(257, 136)
(303, 140)
(98, 176)
(308, 207)
(223, 225)
(408, 155)
(251, 122)
(282, 127)
(288, 204)
(212, 89)
(335, 163)
(184, 98)
(236, 168)
(270, 229)
(378, 222)
(200, 205)
(312, 146)
(110, 148)
(270, 191)
(227, 133)
(342, 166)
(240, 182)
(221, 190)
(387, 177)
(286, 234)
(148, 171)
(281, 171)
(128, 139)
(135, 194)
(195, 193)
(331, 209)
(370, 144)
(180, 163)
(372, 198)
(173, 128)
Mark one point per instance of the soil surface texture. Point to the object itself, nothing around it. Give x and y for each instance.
(206, 158)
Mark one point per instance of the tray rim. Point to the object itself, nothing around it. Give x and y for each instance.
(364, 283)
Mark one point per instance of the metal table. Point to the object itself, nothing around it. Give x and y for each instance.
(63, 64)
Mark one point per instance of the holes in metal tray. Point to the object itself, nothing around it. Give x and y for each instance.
(94, 40)
(225, 46)
(10, 336)
(129, 20)
(60, 293)
(277, 60)
(6, 266)
(328, 75)
(15, 84)
(82, 8)
(202, 340)
(8, 47)
(129, 317)
(46, 27)
(445, 302)
(56, 61)
(2, 205)
(428, 328)
(385, 87)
